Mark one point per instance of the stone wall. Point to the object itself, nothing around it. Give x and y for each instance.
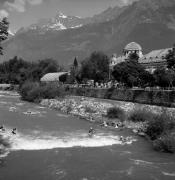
(157, 97)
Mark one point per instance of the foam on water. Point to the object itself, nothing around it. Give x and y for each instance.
(35, 142)
(141, 162)
(5, 154)
(168, 174)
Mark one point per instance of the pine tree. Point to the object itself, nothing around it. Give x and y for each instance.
(4, 25)
(75, 63)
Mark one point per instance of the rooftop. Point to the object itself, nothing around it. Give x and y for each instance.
(155, 56)
(133, 46)
(52, 76)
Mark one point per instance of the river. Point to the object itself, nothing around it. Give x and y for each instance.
(50, 145)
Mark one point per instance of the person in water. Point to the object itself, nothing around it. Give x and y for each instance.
(123, 139)
(2, 128)
(14, 131)
(91, 131)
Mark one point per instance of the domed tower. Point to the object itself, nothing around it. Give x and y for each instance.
(133, 47)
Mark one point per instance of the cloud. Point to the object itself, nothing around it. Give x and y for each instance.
(3, 13)
(17, 5)
(20, 5)
(35, 2)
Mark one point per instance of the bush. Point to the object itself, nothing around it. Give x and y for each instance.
(140, 116)
(159, 124)
(29, 91)
(165, 143)
(34, 91)
(115, 112)
(89, 110)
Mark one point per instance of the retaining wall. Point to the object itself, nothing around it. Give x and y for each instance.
(156, 97)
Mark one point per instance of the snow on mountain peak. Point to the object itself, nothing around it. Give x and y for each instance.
(57, 26)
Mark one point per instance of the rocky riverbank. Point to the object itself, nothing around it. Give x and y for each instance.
(95, 110)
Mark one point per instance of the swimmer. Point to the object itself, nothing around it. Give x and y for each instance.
(122, 139)
(2, 128)
(91, 131)
(14, 131)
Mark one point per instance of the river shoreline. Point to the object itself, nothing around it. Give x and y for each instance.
(94, 110)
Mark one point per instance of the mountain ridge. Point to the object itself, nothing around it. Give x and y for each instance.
(152, 27)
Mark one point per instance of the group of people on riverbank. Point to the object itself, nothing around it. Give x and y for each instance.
(92, 132)
(112, 124)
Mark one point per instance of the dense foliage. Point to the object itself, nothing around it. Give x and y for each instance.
(159, 125)
(115, 113)
(164, 77)
(131, 73)
(17, 71)
(160, 128)
(140, 115)
(165, 143)
(95, 67)
(35, 91)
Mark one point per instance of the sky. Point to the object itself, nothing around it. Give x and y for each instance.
(22, 13)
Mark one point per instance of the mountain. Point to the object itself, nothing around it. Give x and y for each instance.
(151, 23)
(59, 22)
(63, 22)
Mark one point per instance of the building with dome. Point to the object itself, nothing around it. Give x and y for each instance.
(132, 47)
(151, 61)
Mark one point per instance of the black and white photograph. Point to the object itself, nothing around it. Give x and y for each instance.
(87, 89)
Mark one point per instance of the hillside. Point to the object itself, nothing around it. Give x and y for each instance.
(151, 23)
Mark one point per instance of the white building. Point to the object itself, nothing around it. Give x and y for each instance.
(132, 47)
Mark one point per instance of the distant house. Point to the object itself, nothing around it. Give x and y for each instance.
(53, 77)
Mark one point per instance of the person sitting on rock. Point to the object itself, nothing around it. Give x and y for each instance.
(104, 124)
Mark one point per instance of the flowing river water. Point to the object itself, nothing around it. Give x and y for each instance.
(50, 145)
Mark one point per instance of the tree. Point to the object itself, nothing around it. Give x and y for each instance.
(75, 63)
(170, 57)
(74, 73)
(131, 73)
(164, 78)
(95, 67)
(4, 25)
(133, 57)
